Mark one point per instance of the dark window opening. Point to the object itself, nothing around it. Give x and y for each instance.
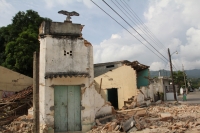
(70, 54)
(112, 96)
(67, 52)
(110, 66)
(70, 51)
(64, 53)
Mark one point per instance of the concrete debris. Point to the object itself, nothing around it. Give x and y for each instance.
(165, 117)
(159, 102)
(14, 106)
(23, 124)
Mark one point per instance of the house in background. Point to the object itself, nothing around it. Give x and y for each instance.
(162, 85)
(11, 82)
(118, 81)
(67, 97)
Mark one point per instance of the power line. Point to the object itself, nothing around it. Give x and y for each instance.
(140, 25)
(134, 29)
(136, 16)
(126, 30)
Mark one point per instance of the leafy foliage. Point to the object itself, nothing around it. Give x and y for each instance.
(195, 82)
(179, 78)
(19, 40)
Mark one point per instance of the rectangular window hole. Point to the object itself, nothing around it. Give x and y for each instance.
(70, 54)
(64, 53)
(67, 52)
(110, 66)
(70, 51)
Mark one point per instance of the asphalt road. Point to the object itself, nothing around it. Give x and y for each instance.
(192, 97)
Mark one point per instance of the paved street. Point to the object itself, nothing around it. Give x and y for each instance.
(192, 97)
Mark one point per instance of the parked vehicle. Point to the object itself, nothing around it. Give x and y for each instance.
(191, 90)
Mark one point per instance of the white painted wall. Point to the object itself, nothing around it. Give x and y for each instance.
(56, 61)
(52, 59)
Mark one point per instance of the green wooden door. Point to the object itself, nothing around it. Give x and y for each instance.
(67, 115)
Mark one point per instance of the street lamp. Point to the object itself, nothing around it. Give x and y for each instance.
(170, 61)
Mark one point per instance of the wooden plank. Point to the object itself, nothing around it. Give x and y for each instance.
(60, 104)
(127, 110)
(100, 86)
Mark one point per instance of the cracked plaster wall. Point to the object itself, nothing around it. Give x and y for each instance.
(52, 59)
(123, 78)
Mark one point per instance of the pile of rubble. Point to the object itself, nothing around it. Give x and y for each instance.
(141, 114)
(159, 117)
(22, 124)
(14, 106)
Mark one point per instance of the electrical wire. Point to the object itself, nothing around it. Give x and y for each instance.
(136, 23)
(139, 20)
(127, 30)
(130, 32)
(134, 29)
(142, 23)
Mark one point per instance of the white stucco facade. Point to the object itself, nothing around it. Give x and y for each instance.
(67, 60)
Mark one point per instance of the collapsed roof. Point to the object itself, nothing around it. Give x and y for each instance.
(15, 105)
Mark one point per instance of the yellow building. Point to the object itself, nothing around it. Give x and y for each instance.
(118, 81)
(11, 81)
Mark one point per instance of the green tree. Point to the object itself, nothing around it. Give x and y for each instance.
(4, 37)
(179, 78)
(195, 82)
(19, 40)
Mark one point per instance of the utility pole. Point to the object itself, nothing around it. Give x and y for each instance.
(170, 61)
(184, 79)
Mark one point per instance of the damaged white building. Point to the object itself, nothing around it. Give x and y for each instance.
(68, 100)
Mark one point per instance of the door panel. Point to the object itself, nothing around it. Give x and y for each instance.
(77, 111)
(67, 108)
(60, 104)
(71, 108)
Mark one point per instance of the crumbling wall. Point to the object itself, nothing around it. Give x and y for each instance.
(122, 78)
(53, 59)
(148, 91)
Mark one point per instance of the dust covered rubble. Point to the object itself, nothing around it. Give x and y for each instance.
(159, 117)
(22, 124)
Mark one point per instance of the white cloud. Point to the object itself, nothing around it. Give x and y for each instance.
(174, 22)
(52, 3)
(157, 65)
(190, 51)
(115, 36)
(116, 48)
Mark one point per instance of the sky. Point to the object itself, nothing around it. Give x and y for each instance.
(173, 24)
